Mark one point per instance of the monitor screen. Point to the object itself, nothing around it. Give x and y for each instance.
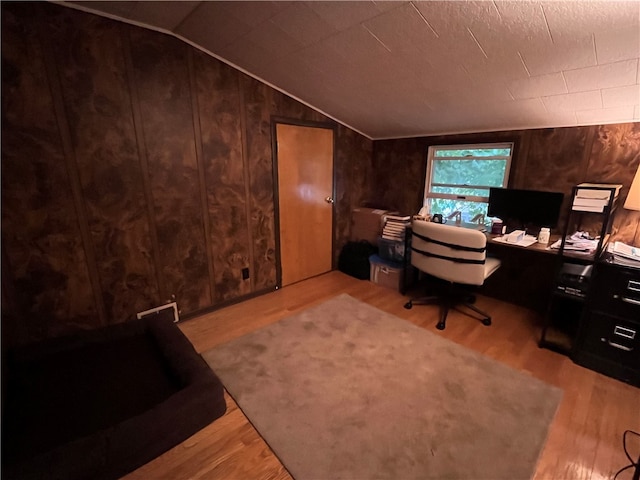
(524, 209)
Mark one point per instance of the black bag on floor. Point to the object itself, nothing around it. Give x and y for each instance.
(354, 259)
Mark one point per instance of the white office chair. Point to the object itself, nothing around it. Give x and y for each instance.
(456, 255)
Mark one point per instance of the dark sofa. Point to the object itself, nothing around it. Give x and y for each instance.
(101, 403)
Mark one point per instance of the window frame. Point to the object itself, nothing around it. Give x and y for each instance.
(428, 194)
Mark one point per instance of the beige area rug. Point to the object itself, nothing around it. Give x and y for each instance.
(346, 391)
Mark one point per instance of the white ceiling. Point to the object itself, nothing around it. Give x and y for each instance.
(399, 69)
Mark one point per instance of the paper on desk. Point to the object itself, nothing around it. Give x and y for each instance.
(627, 251)
(527, 241)
(578, 243)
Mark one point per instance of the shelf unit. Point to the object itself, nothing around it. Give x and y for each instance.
(592, 210)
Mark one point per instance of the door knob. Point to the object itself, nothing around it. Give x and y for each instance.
(328, 199)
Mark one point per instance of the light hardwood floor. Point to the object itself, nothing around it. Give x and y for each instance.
(585, 439)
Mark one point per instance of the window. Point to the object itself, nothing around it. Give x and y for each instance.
(459, 177)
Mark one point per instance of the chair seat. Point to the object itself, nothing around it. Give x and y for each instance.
(491, 264)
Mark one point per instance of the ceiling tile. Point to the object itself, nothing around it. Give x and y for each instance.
(272, 39)
(211, 27)
(563, 54)
(570, 18)
(605, 115)
(383, 6)
(302, 24)
(621, 96)
(253, 13)
(324, 59)
(403, 30)
(357, 45)
(495, 68)
(618, 44)
(344, 14)
(602, 76)
(163, 14)
(519, 23)
(574, 101)
(539, 86)
(560, 118)
(448, 18)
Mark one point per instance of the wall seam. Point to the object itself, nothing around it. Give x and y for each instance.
(247, 180)
(143, 158)
(204, 203)
(71, 163)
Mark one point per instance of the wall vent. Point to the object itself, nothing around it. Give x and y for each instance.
(170, 310)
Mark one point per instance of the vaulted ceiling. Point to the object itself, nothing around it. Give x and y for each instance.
(400, 69)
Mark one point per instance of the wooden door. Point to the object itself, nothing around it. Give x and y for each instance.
(305, 200)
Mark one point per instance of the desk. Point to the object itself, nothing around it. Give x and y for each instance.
(538, 247)
(525, 276)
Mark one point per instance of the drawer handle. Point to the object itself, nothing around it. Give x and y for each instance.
(621, 347)
(633, 301)
(624, 332)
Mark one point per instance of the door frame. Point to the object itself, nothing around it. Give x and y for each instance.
(275, 120)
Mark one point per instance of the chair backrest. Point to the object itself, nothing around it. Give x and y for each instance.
(448, 252)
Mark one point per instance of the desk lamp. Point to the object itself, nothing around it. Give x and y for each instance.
(633, 201)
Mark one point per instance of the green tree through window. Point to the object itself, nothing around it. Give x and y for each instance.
(459, 177)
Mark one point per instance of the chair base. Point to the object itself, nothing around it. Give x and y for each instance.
(452, 299)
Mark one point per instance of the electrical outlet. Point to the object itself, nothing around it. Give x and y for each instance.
(245, 273)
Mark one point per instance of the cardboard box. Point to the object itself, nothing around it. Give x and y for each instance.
(385, 273)
(367, 223)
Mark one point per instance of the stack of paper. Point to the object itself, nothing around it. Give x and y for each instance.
(579, 242)
(624, 254)
(594, 197)
(395, 226)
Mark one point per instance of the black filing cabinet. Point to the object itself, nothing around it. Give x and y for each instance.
(608, 340)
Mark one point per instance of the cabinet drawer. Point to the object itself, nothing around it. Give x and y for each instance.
(618, 292)
(613, 338)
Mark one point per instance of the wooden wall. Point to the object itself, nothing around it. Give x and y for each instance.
(553, 159)
(136, 168)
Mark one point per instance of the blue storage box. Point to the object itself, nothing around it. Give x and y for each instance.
(386, 273)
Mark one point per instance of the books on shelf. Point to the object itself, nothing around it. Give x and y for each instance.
(398, 218)
(395, 227)
(594, 197)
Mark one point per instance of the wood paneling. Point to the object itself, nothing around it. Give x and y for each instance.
(620, 146)
(554, 160)
(135, 167)
(40, 231)
(161, 78)
(91, 67)
(353, 182)
(220, 113)
(257, 98)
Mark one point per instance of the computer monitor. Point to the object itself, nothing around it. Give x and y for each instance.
(525, 209)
